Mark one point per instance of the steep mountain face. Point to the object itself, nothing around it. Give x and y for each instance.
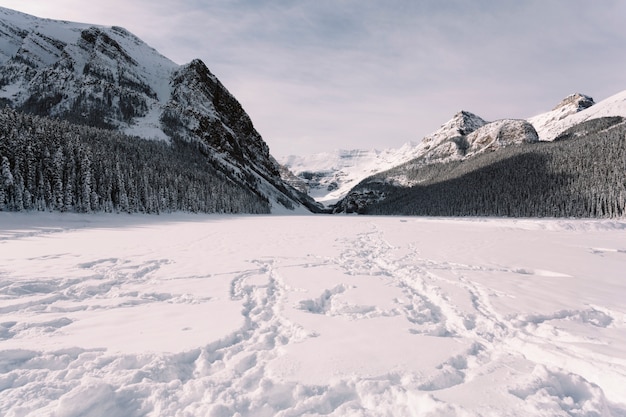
(102, 77)
(106, 77)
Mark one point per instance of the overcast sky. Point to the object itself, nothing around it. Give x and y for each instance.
(317, 75)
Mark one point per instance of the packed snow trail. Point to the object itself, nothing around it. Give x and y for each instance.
(187, 315)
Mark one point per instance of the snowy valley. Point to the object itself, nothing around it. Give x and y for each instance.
(157, 260)
(329, 176)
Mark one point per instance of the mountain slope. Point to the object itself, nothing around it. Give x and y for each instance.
(576, 109)
(580, 175)
(328, 176)
(106, 77)
(455, 141)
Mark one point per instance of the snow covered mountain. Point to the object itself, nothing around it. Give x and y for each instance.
(550, 124)
(329, 176)
(107, 77)
(466, 136)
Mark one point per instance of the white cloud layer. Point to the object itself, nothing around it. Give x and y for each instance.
(318, 74)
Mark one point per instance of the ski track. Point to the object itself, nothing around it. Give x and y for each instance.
(229, 376)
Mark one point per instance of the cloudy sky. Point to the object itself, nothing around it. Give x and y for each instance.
(319, 75)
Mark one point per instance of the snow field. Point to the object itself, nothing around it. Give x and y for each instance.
(185, 315)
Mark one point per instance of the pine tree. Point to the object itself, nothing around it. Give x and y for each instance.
(6, 183)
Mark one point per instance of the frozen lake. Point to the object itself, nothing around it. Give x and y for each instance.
(195, 315)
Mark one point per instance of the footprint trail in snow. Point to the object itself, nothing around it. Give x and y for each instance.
(305, 316)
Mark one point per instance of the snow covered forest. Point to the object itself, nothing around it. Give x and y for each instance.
(581, 174)
(49, 164)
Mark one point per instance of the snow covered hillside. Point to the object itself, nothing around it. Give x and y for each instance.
(191, 315)
(550, 124)
(54, 65)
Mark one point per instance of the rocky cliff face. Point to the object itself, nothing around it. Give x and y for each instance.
(107, 77)
(201, 108)
(448, 142)
(498, 134)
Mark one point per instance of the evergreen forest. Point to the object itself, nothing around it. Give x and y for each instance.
(48, 164)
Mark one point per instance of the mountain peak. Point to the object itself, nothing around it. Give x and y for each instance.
(552, 123)
(577, 100)
(466, 122)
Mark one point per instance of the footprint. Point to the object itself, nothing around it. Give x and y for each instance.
(89, 265)
(323, 304)
(453, 371)
(551, 387)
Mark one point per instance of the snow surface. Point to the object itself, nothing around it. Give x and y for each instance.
(187, 315)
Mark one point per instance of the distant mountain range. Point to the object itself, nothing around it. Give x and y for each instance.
(105, 77)
(356, 180)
